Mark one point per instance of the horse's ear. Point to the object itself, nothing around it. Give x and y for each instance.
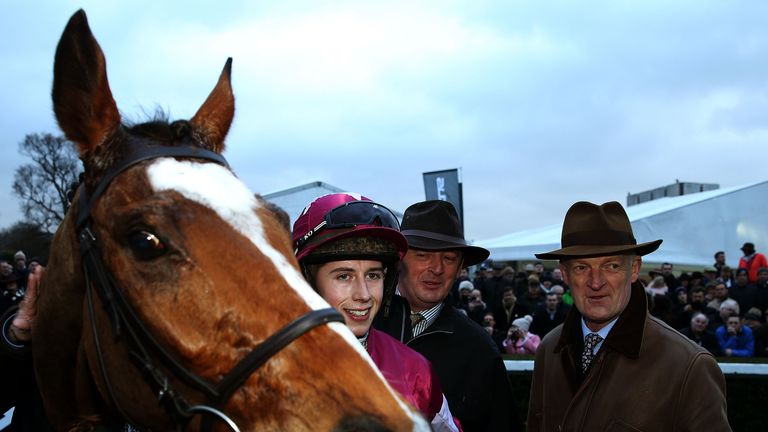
(214, 117)
(82, 100)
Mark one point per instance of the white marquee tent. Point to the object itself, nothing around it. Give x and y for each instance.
(693, 228)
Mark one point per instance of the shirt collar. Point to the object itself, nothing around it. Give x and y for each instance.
(603, 333)
(430, 316)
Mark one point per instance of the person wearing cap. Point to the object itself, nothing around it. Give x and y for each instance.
(611, 365)
(465, 291)
(465, 357)
(519, 340)
(20, 260)
(477, 308)
(348, 248)
(20, 269)
(453, 296)
(752, 261)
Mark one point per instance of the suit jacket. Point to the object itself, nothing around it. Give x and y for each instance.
(468, 364)
(646, 377)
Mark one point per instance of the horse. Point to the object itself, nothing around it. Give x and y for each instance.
(172, 300)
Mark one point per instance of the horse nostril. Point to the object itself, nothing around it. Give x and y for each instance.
(360, 423)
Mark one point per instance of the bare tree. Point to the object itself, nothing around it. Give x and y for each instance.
(42, 186)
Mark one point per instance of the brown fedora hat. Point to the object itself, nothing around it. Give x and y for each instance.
(434, 225)
(597, 230)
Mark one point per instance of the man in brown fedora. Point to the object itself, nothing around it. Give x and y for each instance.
(610, 365)
(464, 356)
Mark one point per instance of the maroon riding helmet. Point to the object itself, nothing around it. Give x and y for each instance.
(349, 226)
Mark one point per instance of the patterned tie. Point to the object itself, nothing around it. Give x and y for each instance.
(416, 318)
(587, 356)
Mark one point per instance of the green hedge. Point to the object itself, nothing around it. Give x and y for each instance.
(747, 397)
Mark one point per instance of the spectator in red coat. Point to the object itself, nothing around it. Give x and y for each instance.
(752, 261)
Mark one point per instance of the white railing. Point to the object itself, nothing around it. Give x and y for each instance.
(727, 368)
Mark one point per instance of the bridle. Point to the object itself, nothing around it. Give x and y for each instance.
(143, 345)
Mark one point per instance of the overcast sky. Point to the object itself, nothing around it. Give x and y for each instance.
(540, 104)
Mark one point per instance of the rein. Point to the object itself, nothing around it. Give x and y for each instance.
(124, 318)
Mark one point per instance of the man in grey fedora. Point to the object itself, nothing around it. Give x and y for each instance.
(462, 353)
(612, 366)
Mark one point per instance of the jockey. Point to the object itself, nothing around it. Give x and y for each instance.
(349, 248)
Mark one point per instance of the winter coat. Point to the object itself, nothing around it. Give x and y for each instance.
(527, 345)
(411, 375)
(646, 377)
(753, 263)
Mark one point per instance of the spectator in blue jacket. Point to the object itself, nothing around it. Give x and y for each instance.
(736, 339)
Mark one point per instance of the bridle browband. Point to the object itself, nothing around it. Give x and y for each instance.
(124, 318)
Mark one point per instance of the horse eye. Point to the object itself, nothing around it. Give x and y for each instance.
(145, 245)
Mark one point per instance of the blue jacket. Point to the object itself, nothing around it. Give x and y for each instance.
(741, 345)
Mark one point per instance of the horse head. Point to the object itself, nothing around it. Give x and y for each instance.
(172, 299)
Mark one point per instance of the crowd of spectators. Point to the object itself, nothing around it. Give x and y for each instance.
(516, 308)
(722, 309)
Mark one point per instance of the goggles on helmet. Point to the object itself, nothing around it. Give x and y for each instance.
(352, 214)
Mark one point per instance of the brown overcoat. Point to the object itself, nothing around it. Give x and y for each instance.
(646, 377)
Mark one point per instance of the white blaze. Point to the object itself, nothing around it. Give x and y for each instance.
(215, 187)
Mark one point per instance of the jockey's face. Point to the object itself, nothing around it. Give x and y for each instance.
(354, 288)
